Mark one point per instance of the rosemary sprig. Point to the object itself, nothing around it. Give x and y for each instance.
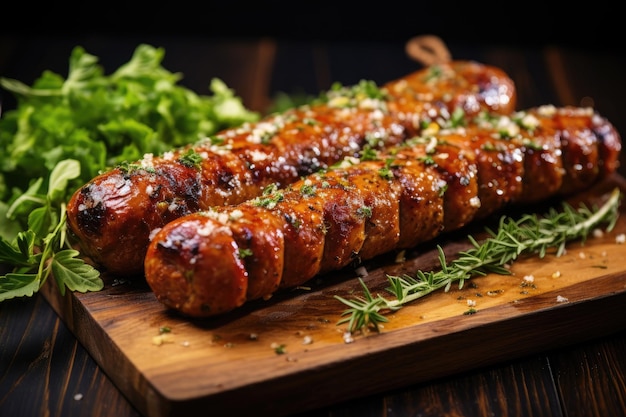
(530, 234)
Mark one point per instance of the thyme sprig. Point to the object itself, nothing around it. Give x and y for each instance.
(530, 234)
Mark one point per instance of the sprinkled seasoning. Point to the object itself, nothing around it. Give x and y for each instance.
(279, 349)
(191, 159)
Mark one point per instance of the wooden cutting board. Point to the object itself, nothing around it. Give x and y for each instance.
(288, 354)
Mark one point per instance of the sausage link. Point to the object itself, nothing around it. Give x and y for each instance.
(356, 210)
(114, 215)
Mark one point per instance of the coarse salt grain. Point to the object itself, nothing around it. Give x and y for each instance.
(153, 232)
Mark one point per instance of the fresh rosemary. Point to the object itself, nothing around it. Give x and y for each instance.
(530, 234)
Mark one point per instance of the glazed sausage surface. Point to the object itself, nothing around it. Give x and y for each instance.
(213, 261)
(115, 214)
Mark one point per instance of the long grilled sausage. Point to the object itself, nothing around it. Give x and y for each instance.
(211, 262)
(114, 215)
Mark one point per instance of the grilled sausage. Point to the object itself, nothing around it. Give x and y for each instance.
(114, 215)
(211, 262)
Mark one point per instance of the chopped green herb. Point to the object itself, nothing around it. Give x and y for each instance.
(364, 211)
(435, 73)
(427, 159)
(368, 154)
(457, 118)
(308, 190)
(279, 349)
(270, 197)
(386, 173)
(191, 159)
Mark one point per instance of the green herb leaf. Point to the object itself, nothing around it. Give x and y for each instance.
(18, 285)
(60, 177)
(65, 131)
(74, 273)
(40, 221)
(19, 253)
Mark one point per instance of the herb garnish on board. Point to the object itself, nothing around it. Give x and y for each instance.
(531, 234)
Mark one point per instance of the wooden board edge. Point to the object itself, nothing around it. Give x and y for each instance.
(107, 355)
(419, 360)
(352, 377)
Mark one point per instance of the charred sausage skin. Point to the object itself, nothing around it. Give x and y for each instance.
(114, 215)
(213, 261)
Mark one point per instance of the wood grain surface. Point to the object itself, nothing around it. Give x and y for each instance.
(209, 364)
(46, 371)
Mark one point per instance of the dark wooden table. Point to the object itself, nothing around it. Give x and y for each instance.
(45, 371)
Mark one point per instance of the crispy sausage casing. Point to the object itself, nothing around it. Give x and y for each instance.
(114, 215)
(211, 262)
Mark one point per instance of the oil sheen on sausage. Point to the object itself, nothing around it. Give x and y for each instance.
(114, 215)
(211, 262)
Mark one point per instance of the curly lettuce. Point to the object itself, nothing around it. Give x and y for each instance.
(65, 131)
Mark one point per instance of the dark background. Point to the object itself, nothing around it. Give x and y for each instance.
(591, 24)
(367, 38)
